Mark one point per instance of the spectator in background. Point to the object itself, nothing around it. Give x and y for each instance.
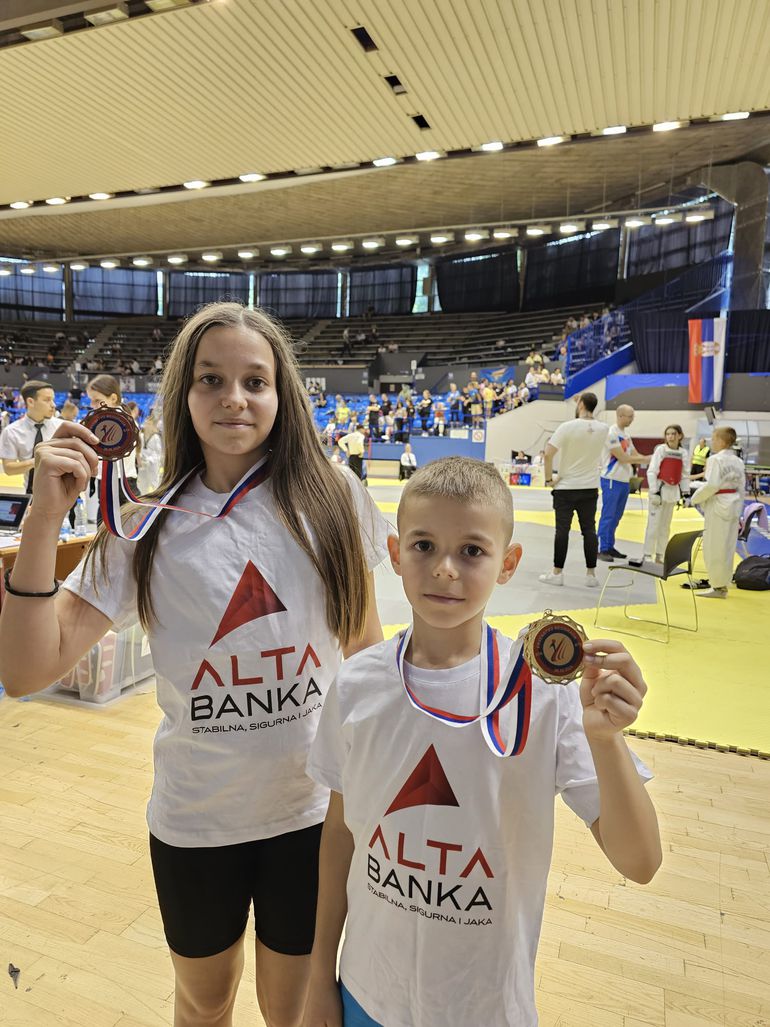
(425, 409)
(439, 420)
(557, 378)
(374, 334)
(407, 464)
(336, 457)
(385, 404)
(157, 365)
(467, 402)
(156, 335)
(523, 394)
(373, 415)
(352, 445)
(488, 396)
(399, 418)
(20, 439)
(150, 460)
(619, 457)
(531, 379)
(700, 455)
(135, 366)
(454, 402)
(392, 347)
(530, 360)
(347, 346)
(69, 411)
(341, 411)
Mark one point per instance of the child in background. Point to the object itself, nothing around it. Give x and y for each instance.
(721, 496)
(246, 629)
(667, 481)
(436, 849)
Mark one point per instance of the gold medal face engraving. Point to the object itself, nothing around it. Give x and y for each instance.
(553, 648)
(116, 430)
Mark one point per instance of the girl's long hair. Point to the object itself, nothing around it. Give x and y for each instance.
(306, 488)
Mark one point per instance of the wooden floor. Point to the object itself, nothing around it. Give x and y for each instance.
(78, 914)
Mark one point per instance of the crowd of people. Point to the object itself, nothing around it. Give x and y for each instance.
(393, 417)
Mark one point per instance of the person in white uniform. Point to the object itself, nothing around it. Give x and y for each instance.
(721, 499)
(667, 482)
(435, 848)
(243, 615)
(20, 439)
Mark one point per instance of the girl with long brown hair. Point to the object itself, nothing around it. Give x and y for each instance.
(247, 611)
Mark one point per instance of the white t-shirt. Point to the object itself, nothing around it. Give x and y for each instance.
(612, 468)
(18, 439)
(243, 659)
(452, 843)
(580, 443)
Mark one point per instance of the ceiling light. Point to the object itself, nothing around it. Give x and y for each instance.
(637, 220)
(211, 256)
(407, 240)
(505, 233)
(614, 130)
(374, 243)
(110, 264)
(252, 176)
(56, 201)
(177, 258)
(428, 155)
(732, 116)
(142, 261)
(439, 238)
(602, 224)
(38, 32)
(5, 270)
(248, 254)
(21, 204)
(78, 265)
(51, 269)
(666, 126)
(309, 248)
(696, 214)
(536, 230)
(106, 17)
(491, 147)
(550, 140)
(384, 162)
(280, 251)
(100, 196)
(476, 234)
(570, 227)
(196, 183)
(28, 269)
(342, 245)
(668, 218)
(316, 170)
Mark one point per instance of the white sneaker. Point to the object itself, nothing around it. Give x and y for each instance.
(713, 593)
(592, 581)
(551, 579)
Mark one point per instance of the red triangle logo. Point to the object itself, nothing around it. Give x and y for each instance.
(253, 598)
(427, 785)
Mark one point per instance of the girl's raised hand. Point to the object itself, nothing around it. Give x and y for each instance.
(612, 689)
(63, 467)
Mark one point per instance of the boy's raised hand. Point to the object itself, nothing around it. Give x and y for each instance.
(612, 689)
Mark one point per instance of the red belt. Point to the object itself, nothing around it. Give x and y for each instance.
(723, 492)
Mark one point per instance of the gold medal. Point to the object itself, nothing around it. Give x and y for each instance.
(553, 648)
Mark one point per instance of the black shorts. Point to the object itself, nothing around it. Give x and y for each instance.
(205, 893)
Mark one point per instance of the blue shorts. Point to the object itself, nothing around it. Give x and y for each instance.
(352, 1013)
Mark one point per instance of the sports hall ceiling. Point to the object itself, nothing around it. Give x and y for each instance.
(224, 87)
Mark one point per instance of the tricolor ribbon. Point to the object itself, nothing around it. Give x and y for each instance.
(109, 498)
(496, 691)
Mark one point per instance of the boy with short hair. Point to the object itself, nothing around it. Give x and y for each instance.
(437, 850)
(721, 496)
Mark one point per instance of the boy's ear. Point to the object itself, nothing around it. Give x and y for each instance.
(510, 563)
(394, 549)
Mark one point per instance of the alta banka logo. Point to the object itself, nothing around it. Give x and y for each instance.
(432, 877)
(277, 687)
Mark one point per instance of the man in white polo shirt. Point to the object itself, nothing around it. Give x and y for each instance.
(580, 444)
(19, 439)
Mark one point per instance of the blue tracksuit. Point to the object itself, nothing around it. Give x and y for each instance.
(614, 496)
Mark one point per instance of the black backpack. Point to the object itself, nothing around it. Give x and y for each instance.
(753, 573)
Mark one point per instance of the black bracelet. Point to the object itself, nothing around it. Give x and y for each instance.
(28, 595)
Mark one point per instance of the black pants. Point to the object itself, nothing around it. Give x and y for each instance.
(567, 502)
(356, 465)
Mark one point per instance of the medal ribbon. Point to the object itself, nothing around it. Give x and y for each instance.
(496, 691)
(109, 498)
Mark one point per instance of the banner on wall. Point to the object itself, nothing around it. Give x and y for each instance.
(708, 339)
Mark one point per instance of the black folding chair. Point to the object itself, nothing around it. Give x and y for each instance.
(677, 560)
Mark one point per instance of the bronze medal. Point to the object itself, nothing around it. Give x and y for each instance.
(553, 648)
(116, 430)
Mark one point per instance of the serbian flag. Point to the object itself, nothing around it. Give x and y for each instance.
(707, 359)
